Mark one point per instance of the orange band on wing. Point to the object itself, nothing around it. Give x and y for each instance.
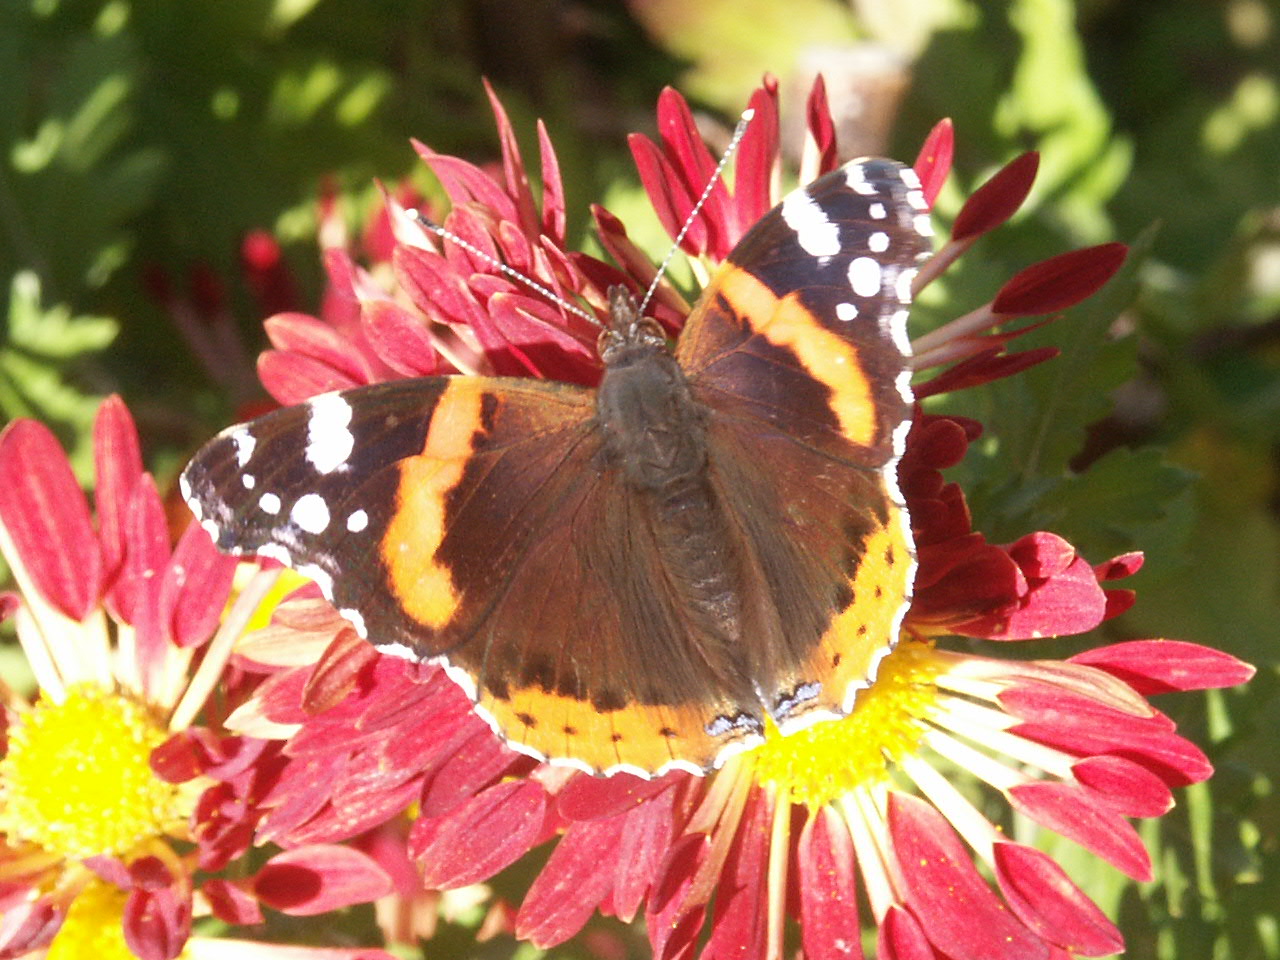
(826, 356)
(425, 587)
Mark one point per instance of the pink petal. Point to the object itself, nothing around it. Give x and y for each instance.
(463, 181)
(29, 926)
(157, 922)
(399, 338)
(1059, 282)
(117, 462)
(1070, 810)
(475, 764)
(944, 891)
(828, 889)
(933, 163)
(998, 199)
(1046, 900)
(1163, 666)
(230, 904)
(642, 849)
(901, 937)
(44, 511)
(490, 831)
(147, 558)
(1128, 788)
(312, 880)
(578, 875)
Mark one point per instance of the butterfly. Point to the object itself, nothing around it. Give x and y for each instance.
(642, 576)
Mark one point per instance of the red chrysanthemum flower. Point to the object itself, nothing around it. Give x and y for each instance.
(116, 808)
(807, 826)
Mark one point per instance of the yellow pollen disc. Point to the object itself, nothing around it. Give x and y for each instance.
(93, 927)
(820, 763)
(77, 778)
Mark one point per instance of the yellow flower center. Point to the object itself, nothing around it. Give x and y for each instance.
(93, 927)
(77, 779)
(818, 764)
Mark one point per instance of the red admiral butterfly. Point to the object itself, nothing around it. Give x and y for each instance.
(635, 577)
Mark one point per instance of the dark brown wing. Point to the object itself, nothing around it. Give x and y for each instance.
(799, 348)
(469, 520)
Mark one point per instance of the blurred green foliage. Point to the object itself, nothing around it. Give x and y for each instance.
(143, 140)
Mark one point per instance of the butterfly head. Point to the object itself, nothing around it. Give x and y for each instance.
(629, 336)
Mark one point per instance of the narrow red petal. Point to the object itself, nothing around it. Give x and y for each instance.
(464, 181)
(757, 154)
(1127, 787)
(490, 831)
(26, 927)
(195, 587)
(292, 378)
(694, 165)
(998, 199)
(820, 125)
(144, 569)
(553, 203)
(45, 513)
(1059, 282)
(157, 922)
(593, 798)
(944, 891)
(1046, 900)
(117, 462)
(299, 333)
(513, 166)
(828, 889)
(668, 196)
(646, 838)
(1070, 810)
(1163, 666)
(315, 879)
(933, 163)
(673, 922)
(578, 875)
(738, 924)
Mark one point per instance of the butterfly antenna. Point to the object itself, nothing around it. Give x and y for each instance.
(445, 233)
(738, 132)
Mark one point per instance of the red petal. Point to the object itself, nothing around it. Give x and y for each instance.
(944, 891)
(593, 798)
(195, 587)
(474, 764)
(335, 676)
(673, 922)
(933, 163)
(463, 181)
(642, 850)
(821, 127)
(291, 377)
(901, 937)
(399, 338)
(757, 154)
(667, 194)
(1070, 810)
(828, 889)
(738, 924)
(1162, 666)
(513, 167)
(299, 333)
(230, 904)
(985, 367)
(117, 462)
(490, 831)
(578, 875)
(312, 880)
(1126, 787)
(998, 199)
(695, 166)
(553, 205)
(1061, 281)
(1043, 897)
(27, 927)
(148, 555)
(45, 513)
(157, 923)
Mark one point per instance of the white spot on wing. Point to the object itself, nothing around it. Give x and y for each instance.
(269, 503)
(815, 232)
(245, 442)
(248, 480)
(923, 224)
(877, 211)
(311, 513)
(864, 276)
(357, 521)
(354, 618)
(905, 279)
(846, 312)
(329, 438)
(878, 242)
